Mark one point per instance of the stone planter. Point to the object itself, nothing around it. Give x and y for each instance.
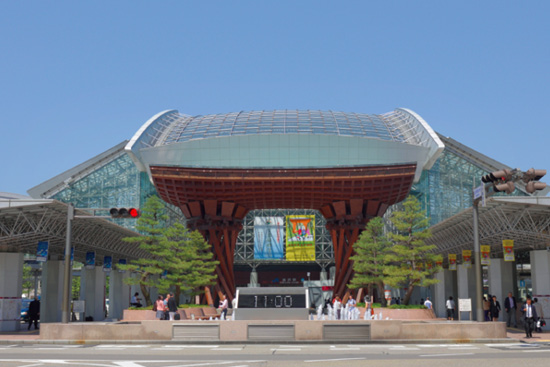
(138, 315)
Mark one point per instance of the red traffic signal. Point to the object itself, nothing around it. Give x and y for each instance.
(502, 175)
(124, 213)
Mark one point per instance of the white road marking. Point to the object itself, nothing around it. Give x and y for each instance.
(226, 349)
(334, 360)
(396, 349)
(462, 348)
(445, 355)
(536, 351)
(334, 348)
(120, 346)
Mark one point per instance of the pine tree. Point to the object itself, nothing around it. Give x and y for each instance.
(188, 260)
(369, 259)
(409, 258)
(151, 225)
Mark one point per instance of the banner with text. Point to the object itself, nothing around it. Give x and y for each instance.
(452, 261)
(485, 255)
(508, 246)
(467, 258)
(300, 237)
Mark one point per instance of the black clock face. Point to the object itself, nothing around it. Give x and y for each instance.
(272, 301)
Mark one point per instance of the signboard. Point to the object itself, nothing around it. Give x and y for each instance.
(452, 261)
(300, 237)
(107, 263)
(485, 255)
(508, 246)
(90, 260)
(42, 251)
(465, 304)
(467, 258)
(79, 306)
(269, 235)
(121, 262)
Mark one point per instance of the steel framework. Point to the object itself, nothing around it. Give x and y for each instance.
(25, 222)
(526, 220)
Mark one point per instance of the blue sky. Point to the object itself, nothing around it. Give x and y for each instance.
(79, 77)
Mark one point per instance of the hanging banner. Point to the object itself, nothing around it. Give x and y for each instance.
(121, 262)
(467, 258)
(42, 251)
(269, 235)
(485, 255)
(300, 237)
(439, 263)
(452, 261)
(107, 263)
(508, 246)
(90, 260)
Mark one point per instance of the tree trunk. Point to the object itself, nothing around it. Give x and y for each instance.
(145, 290)
(408, 295)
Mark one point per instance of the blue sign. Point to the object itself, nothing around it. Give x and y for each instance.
(121, 262)
(522, 283)
(90, 260)
(107, 263)
(42, 251)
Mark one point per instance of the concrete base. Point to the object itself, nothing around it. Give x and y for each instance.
(275, 331)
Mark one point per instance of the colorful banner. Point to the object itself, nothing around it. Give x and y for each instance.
(485, 255)
(300, 237)
(467, 258)
(90, 260)
(42, 251)
(452, 261)
(269, 235)
(508, 246)
(439, 263)
(107, 263)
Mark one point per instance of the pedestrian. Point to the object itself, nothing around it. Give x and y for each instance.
(34, 313)
(486, 308)
(494, 308)
(351, 304)
(540, 314)
(224, 303)
(172, 306)
(530, 314)
(337, 304)
(510, 306)
(428, 303)
(160, 308)
(136, 301)
(368, 308)
(450, 306)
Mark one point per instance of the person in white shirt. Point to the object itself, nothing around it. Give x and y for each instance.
(428, 303)
(450, 305)
(224, 303)
(530, 314)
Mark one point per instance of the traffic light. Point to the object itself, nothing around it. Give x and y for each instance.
(502, 175)
(531, 178)
(124, 213)
(507, 187)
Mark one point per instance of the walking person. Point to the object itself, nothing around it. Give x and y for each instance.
(510, 306)
(530, 314)
(160, 307)
(224, 303)
(486, 308)
(34, 313)
(494, 308)
(368, 308)
(172, 306)
(450, 306)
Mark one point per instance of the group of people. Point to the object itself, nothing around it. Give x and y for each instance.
(351, 305)
(166, 308)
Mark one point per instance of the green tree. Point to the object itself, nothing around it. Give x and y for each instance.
(151, 225)
(188, 260)
(369, 259)
(409, 257)
(28, 279)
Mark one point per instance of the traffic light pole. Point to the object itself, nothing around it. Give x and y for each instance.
(66, 306)
(477, 259)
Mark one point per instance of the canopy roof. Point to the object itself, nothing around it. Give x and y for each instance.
(25, 222)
